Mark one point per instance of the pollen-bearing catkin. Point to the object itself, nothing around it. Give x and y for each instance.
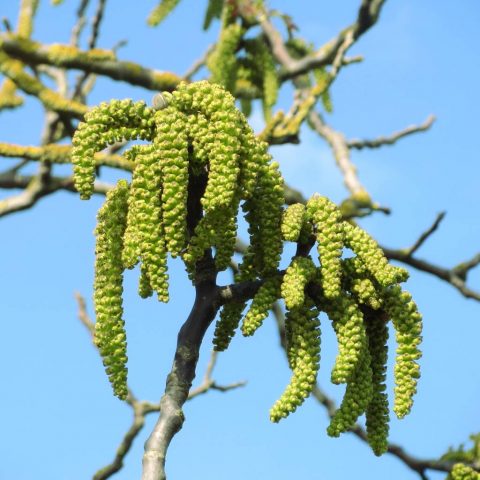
(262, 303)
(356, 399)
(161, 11)
(145, 203)
(292, 222)
(377, 413)
(171, 151)
(461, 471)
(106, 124)
(230, 317)
(372, 256)
(304, 348)
(348, 323)
(300, 271)
(407, 322)
(110, 337)
(222, 62)
(329, 231)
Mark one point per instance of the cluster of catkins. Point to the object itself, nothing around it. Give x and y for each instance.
(193, 133)
(202, 159)
(359, 294)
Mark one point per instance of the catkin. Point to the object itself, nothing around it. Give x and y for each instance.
(329, 232)
(110, 337)
(304, 348)
(377, 413)
(407, 322)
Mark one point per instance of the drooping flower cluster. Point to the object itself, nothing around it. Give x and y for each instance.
(198, 140)
(195, 135)
(359, 294)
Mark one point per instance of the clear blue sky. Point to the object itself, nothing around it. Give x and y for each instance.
(59, 418)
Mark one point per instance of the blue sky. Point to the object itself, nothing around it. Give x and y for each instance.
(420, 59)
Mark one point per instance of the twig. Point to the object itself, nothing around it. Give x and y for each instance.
(341, 152)
(390, 140)
(36, 187)
(367, 16)
(198, 64)
(425, 235)
(80, 23)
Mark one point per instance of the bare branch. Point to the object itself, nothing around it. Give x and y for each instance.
(390, 140)
(425, 235)
(341, 152)
(367, 16)
(198, 64)
(36, 187)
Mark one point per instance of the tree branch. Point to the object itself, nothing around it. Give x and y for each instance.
(34, 53)
(36, 187)
(367, 16)
(391, 139)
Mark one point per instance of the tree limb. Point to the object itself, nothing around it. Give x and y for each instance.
(391, 139)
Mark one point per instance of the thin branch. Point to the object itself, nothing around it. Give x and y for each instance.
(197, 65)
(367, 16)
(454, 277)
(80, 23)
(391, 139)
(341, 152)
(36, 187)
(425, 235)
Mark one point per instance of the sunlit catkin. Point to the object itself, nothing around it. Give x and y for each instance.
(304, 348)
(407, 322)
(110, 336)
(377, 413)
(329, 231)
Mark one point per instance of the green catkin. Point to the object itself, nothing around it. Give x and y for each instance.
(106, 124)
(226, 237)
(357, 397)
(348, 323)
(407, 322)
(262, 62)
(372, 256)
(269, 211)
(329, 231)
(293, 220)
(377, 413)
(304, 348)
(131, 240)
(171, 148)
(145, 204)
(225, 126)
(227, 324)
(222, 62)
(300, 271)
(461, 471)
(358, 283)
(214, 10)
(262, 303)
(110, 336)
(145, 289)
(158, 14)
